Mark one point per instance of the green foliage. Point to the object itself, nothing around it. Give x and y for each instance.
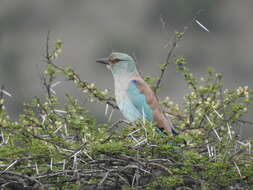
(165, 183)
(152, 80)
(56, 145)
(179, 34)
(57, 50)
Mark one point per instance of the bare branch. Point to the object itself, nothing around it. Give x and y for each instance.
(176, 39)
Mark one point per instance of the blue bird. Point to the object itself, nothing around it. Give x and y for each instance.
(134, 97)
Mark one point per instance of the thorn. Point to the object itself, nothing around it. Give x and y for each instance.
(249, 147)
(248, 144)
(57, 129)
(64, 165)
(144, 123)
(238, 169)
(43, 119)
(36, 168)
(229, 131)
(66, 129)
(12, 164)
(133, 138)
(5, 92)
(75, 159)
(217, 113)
(55, 84)
(143, 116)
(6, 141)
(88, 155)
(216, 133)
(122, 178)
(140, 142)
(133, 180)
(202, 26)
(241, 143)
(51, 164)
(134, 132)
(104, 178)
(52, 91)
(110, 116)
(2, 136)
(106, 109)
(211, 123)
(209, 151)
(75, 162)
(214, 152)
(60, 111)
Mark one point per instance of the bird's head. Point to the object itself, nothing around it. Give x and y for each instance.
(119, 63)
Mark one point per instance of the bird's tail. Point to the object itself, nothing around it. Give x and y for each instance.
(174, 132)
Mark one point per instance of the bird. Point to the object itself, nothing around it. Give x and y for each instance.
(135, 99)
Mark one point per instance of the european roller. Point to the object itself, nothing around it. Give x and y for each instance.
(134, 97)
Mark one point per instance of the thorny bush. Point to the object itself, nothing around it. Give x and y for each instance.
(55, 145)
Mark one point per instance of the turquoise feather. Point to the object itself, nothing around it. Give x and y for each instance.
(139, 101)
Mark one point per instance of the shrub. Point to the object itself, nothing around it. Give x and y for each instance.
(56, 145)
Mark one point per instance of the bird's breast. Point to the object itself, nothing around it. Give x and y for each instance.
(125, 105)
(121, 86)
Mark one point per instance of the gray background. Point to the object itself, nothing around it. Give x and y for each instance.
(92, 29)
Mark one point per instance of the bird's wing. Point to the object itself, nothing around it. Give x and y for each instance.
(139, 100)
(143, 98)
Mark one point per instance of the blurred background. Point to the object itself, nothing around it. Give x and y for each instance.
(93, 29)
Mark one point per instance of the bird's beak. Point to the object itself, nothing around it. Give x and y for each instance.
(103, 61)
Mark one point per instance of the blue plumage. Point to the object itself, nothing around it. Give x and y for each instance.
(138, 99)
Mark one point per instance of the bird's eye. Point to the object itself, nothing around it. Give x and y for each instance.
(116, 60)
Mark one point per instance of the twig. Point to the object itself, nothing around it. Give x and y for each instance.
(174, 44)
(73, 77)
(175, 41)
(116, 124)
(21, 175)
(1, 92)
(162, 167)
(47, 45)
(123, 179)
(47, 81)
